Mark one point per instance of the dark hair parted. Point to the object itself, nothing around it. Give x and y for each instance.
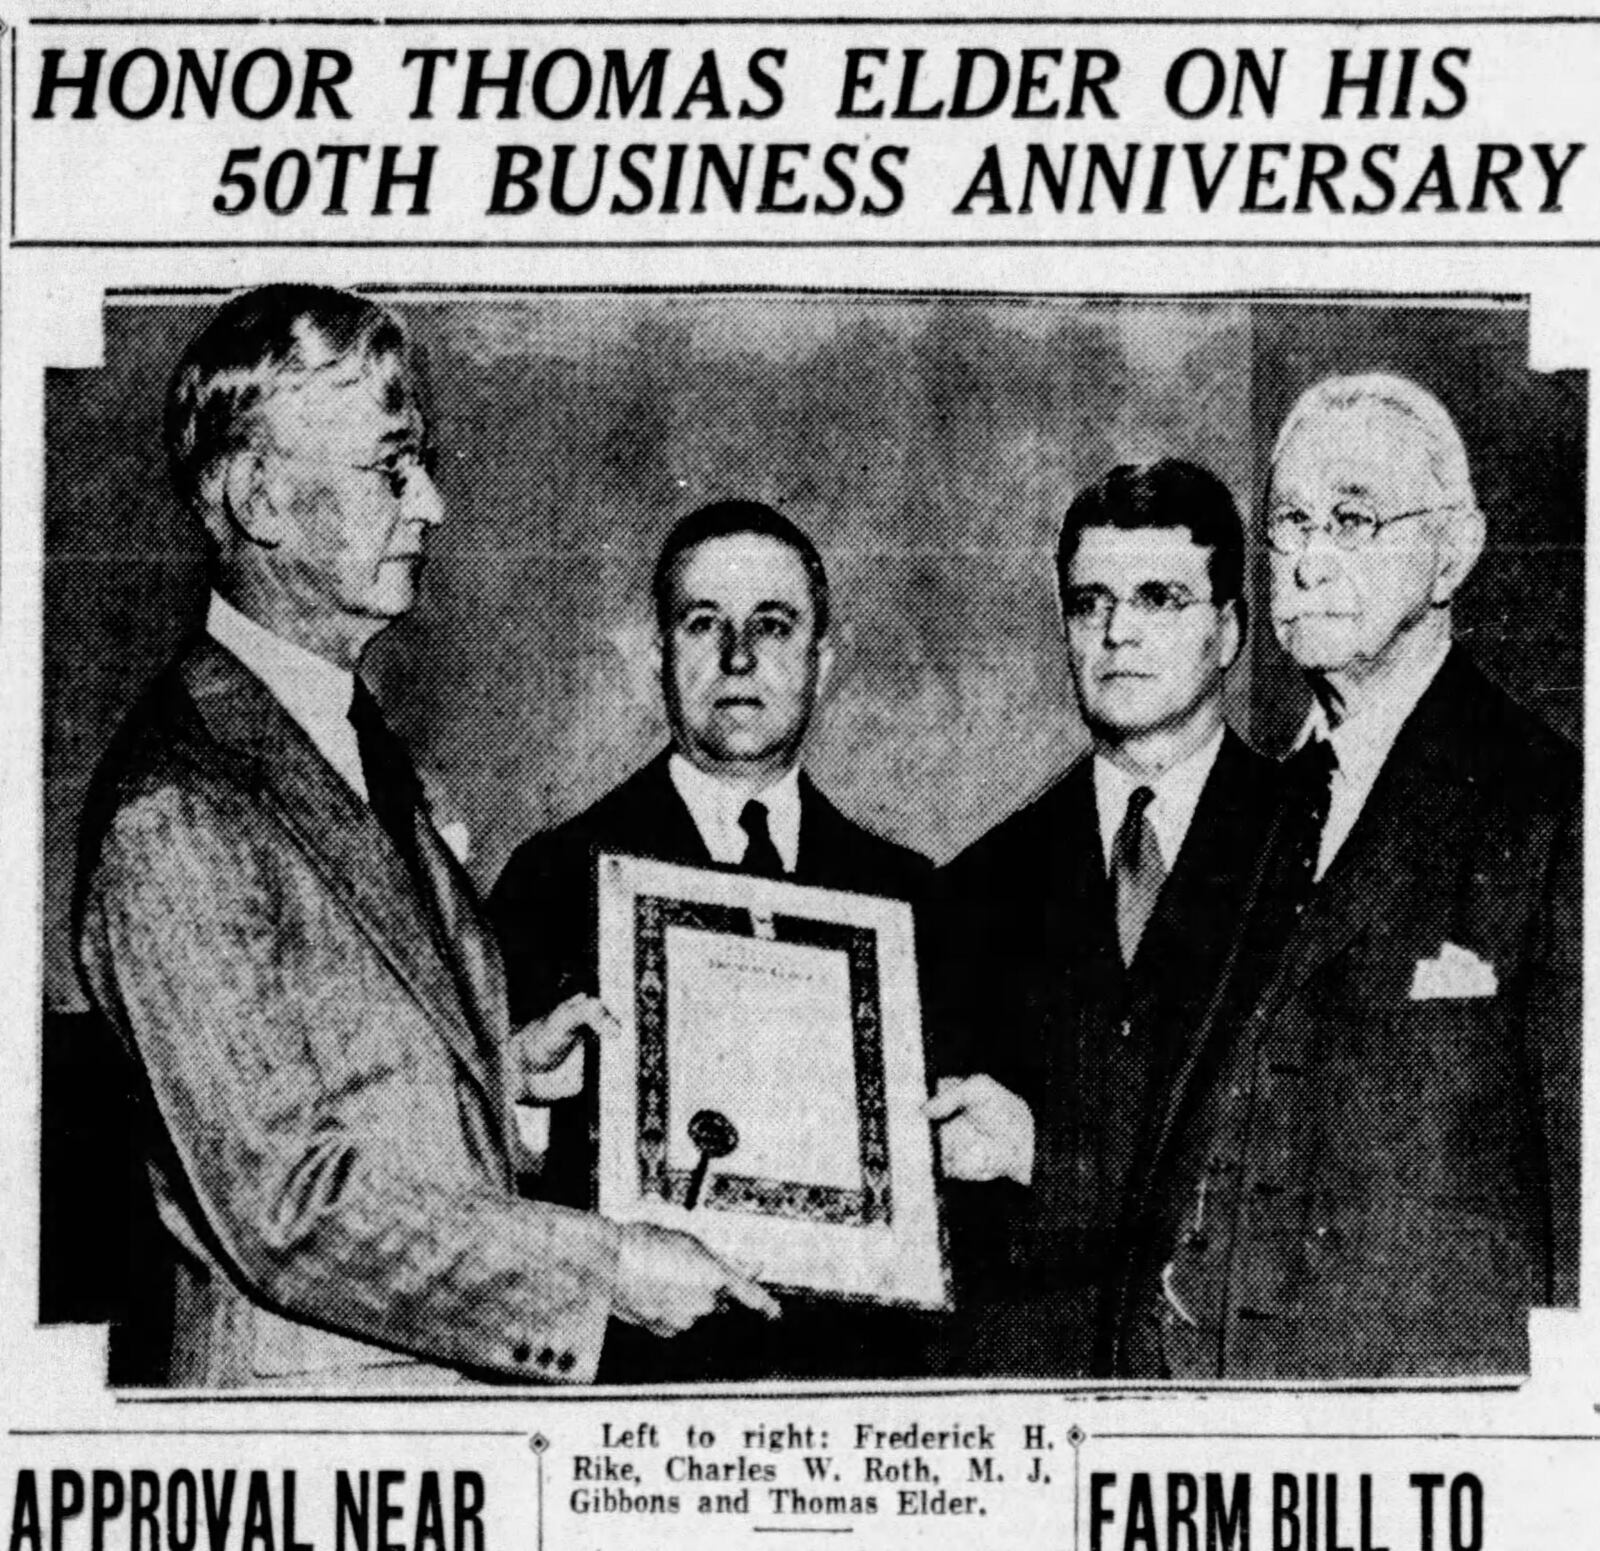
(258, 343)
(1169, 493)
(726, 519)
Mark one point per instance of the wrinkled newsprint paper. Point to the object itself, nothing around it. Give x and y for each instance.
(971, 340)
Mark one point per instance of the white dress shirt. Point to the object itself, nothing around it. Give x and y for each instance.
(315, 692)
(1171, 811)
(1361, 743)
(715, 807)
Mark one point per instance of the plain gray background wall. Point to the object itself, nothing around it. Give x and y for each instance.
(929, 444)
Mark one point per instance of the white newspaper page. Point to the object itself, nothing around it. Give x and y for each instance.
(1111, 484)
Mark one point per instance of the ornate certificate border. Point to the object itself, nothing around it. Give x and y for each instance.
(874, 1201)
(872, 1232)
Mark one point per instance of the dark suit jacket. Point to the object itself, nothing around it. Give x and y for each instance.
(1389, 1182)
(323, 1056)
(1031, 988)
(543, 905)
(543, 909)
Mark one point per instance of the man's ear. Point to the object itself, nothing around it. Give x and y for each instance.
(1232, 633)
(1461, 541)
(825, 658)
(252, 507)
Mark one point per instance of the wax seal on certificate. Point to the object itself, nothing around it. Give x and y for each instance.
(715, 1136)
(808, 1034)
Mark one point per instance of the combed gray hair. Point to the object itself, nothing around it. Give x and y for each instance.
(259, 342)
(1440, 440)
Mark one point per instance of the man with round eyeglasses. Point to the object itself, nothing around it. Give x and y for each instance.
(1371, 1168)
(310, 1002)
(1085, 933)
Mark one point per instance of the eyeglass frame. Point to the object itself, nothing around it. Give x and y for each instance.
(1106, 602)
(420, 457)
(1355, 545)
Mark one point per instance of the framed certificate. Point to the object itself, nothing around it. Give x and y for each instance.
(767, 1090)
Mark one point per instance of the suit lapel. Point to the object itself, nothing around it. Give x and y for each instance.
(1383, 850)
(659, 821)
(1214, 835)
(1427, 772)
(1071, 917)
(824, 848)
(1077, 910)
(1072, 976)
(339, 836)
(1085, 910)
(1215, 852)
(1415, 800)
(479, 971)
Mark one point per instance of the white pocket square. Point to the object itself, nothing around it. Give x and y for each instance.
(1456, 973)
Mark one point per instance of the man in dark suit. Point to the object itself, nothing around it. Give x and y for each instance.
(743, 653)
(1371, 1168)
(313, 1011)
(1078, 941)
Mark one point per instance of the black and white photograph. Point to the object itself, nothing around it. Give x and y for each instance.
(1204, 674)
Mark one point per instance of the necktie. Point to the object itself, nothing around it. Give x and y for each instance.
(395, 796)
(1309, 793)
(1137, 870)
(760, 854)
(393, 790)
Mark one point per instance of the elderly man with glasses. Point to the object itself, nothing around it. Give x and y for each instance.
(311, 1004)
(1370, 1167)
(1080, 940)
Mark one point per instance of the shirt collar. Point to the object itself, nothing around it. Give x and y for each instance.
(1171, 811)
(715, 806)
(314, 691)
(1362, 742)
(292, 673)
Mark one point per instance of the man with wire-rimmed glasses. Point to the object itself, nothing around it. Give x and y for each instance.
(1371, 1170)
(1087, 932)
(311, 1005)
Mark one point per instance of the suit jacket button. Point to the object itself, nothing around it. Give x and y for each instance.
(565, 1361)
(547, 1356)
(521, 1352)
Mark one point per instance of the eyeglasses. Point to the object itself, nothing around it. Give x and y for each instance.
(1149, 601)
(1348, 527)
(401, 466)
(396, 468)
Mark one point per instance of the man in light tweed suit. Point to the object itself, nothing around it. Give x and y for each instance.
(290, 955)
